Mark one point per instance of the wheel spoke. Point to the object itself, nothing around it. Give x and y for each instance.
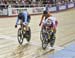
(20, 36)
(44, 39)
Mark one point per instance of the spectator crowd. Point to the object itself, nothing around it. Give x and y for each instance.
(31, 3)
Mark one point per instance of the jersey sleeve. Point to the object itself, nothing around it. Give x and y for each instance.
(26, 17)
(17, 21)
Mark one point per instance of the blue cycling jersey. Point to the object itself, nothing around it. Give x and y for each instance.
(25, 19)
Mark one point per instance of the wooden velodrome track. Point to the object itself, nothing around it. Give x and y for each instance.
(10, 48)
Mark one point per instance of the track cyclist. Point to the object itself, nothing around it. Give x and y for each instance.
(25, 17)
(53, 22)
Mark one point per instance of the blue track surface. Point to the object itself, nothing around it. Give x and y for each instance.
(67, 52)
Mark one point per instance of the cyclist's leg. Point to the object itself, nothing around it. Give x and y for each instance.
(26, 27)
(54, 27)
(53, 37)
(54, 32)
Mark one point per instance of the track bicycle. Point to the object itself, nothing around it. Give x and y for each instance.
(23, 33)
(47, 36)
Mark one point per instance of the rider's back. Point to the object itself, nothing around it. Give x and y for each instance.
(53, 19)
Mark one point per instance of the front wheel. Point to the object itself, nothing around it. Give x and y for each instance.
(44, 39)
(20, 36)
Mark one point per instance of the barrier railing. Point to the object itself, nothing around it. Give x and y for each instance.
(10, 10)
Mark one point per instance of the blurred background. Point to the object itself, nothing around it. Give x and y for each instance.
(32, 3)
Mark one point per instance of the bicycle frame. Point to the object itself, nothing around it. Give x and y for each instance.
(46, 36)
(23, 33)
(48, 31)
(22, 26)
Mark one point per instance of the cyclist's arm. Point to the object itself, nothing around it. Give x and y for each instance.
(17, 21)
(42, 18)
(44, 14)
(26, 17)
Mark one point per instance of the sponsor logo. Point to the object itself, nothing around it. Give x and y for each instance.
(20, 10)
(38, 10)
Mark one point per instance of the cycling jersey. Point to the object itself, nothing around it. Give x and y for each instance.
(52, 19)
(24, 16)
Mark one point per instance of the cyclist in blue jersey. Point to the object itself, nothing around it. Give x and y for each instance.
(25, 17)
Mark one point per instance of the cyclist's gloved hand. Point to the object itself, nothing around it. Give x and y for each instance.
(15, 26)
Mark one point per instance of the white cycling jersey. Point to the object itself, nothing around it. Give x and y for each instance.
(52, 20)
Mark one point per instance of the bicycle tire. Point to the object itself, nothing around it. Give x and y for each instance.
(52, 41)
(44, 39)
(20, 36)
